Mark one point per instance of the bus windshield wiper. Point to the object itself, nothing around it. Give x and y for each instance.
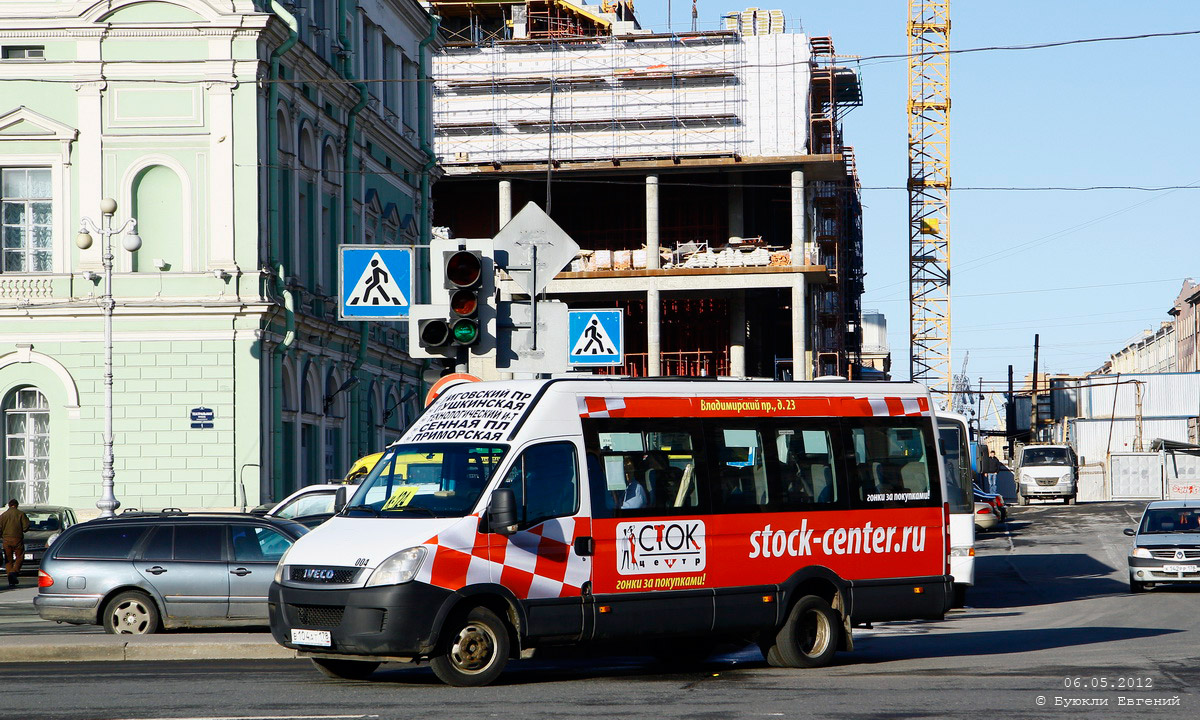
(407, 508)
(369, 508)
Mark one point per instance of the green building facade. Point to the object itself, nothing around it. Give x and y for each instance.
(248, 139)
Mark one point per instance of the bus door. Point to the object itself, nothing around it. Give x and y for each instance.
(649, 511)
(541, 563)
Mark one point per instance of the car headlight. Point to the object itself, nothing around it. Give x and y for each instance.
(399, 568)
(50, 540)
(962, 551)
(1065, 478)
(1141, 552)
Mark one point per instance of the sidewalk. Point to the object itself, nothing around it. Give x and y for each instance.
(25, 637)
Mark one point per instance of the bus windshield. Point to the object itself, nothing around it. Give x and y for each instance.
(427, 480)
(1045, 456)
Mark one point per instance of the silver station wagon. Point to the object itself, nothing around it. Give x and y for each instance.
(1166, 546)
(139, 573)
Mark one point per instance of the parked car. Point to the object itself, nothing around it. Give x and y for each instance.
(995, 500)
(1166, 545)
(45, 523)
(985, 516)
(306, 502)
(1047, 472)
(138, 573)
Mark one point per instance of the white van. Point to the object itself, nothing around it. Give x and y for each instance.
(520, 514)
(954, 431)
(1047, 472)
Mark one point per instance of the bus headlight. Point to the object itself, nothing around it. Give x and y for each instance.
(1142, 552)
(399, 568)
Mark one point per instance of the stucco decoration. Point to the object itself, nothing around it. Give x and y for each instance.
(150, 12)
(26, 354)
(24, 124)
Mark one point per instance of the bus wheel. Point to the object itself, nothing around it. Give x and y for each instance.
(809, 638)
(345, 669)
(475, 651)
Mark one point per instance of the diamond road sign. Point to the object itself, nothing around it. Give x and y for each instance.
(375, 282)
(513, 248)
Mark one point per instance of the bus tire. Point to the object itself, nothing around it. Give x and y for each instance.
(345, 669)
(810, 636)
(475, 650)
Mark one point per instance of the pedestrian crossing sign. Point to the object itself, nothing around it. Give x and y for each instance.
(596, 338)
(374, 282)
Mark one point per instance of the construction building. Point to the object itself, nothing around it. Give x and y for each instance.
(703, 175)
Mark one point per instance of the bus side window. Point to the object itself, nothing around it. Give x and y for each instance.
(545, 482)
(741, 482)
(890, 463)
(806, 468)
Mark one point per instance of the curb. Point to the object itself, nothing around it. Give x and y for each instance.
(114, 648)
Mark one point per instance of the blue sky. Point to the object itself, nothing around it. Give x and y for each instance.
(1086, 270)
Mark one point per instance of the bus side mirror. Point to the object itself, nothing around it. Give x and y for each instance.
(339, 498)
(502, 512)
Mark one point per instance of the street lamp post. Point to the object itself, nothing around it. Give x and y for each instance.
(108, 502)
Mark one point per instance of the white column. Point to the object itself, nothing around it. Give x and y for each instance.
(505, 202)
(801, 369)
(652, 248)
(736, 207)
(737, 333)
(799, 231)
(653, 330)
(221, 178)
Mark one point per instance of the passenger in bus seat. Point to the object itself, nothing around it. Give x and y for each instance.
(635, 493)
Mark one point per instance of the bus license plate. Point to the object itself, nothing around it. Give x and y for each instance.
(1180, 568)
(311, 637)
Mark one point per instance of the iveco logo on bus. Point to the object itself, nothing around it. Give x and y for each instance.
(660, 547)
(317, 574)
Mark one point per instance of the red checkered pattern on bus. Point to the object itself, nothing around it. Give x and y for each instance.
(721, 406)
(534, 563)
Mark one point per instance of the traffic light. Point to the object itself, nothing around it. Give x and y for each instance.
(464, 281)
(434, 333)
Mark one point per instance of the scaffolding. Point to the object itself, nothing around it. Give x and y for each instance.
(599, 98)
(929, 193)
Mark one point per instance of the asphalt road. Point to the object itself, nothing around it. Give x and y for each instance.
(1050, 622)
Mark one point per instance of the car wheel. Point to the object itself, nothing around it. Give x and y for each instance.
(810, 636)
(1070, 500)
(1023, 499)
(345, 669)
(1137, 587)
(131, 613)
(474, 650)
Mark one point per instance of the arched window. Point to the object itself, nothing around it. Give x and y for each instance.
(27, 446)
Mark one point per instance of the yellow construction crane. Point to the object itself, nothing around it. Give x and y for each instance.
(929, 195)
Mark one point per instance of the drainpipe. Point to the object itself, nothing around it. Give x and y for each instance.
(424, 114)
(348, 162)
(275, 200)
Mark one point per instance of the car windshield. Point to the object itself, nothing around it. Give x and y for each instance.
(427, 480)
(1170, 520)
(1045, 456)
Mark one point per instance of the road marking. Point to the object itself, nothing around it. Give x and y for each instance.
(264, 717)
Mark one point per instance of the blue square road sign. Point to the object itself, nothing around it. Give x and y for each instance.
(596, 338)
(375, 282)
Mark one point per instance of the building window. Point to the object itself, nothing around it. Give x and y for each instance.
(27, 446)
(24, 52)
(27, 219)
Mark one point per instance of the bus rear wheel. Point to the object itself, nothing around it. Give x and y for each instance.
(475, 650)
(810, 636)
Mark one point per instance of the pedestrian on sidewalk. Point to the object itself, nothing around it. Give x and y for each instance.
(13, 525)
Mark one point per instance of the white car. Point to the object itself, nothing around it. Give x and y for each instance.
(985, 516)
(309, 501)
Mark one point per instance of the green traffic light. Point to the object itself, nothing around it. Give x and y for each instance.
(465, 332)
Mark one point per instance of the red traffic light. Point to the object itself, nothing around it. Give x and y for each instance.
(464, 269)
(464, 303)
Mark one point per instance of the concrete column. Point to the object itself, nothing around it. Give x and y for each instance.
(801, 368)
(737, 333)
(505, 202)
(652, 249)
(653, 333)
(799, 217)
(736, 209)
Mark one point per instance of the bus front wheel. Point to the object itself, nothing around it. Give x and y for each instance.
(810, 636)
(475, 651)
